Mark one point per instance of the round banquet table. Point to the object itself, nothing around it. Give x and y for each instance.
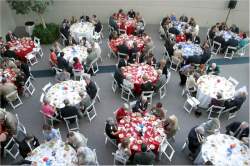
(189, 49)
(210, 85)
(223, 150)
(148, 130)
(228, 35)
(57, 153)
(21, 46)
(65, 90)
(125, 23)
(129, 40)
(137, 71)
(8, 73)
(75, 51)
(82, 29)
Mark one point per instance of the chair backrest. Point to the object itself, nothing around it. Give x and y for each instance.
(165, 146)
(46, 87)
(91, 112)
(121, 55)
(70, 118)
(148, 95)
(216, 47)
(163, 90)
(42, 98)
(10, 148)
(12, 95)
(37, 41)
(57, 70)
(215, 110)
(233, 81)
(119, 158)
(29, 86)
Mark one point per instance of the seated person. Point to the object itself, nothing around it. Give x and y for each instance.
(83, 42)
(177, 57)
(127, 82)
(220, 40)
(206, 53)
(163, 67)
(144, 157)
(141, 105)
(48, 109)
(76, 139)
(113, 23)
(191, 83)
(7, 88)
(131, 13)
(57, 48)
(118, 76)
(148, 43)
(68, 111)
(121, 112)
(9, 53)
(63, 76)
(161, 80)
(50, 133)
(170, 126)
(218, 101)
(150, 60)
(91, 88)
(183, 18)
(147, 84)
(124, 149)
(134, 53)
(65, 28)
(53, 58)
(85, 101)
(70, 42)
(195, 139)
(97, 23)
(238, 100)
(213, 69)
(91, 57)
(123, 48)
(3, 132)
(73, 20)
(25, 147)
(140, 26)
(196, 59)
(61, 62)
(10, 121)
(85, 156)
(111, 129)
(196, 39)
(244, 41)
(239, 130)
(77, 64)
(158, 111)
(123, 61)
(211, 126)
(10, 36)
(169, 47)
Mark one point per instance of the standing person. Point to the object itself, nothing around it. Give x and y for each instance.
(144, 157)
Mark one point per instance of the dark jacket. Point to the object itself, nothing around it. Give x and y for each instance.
(148, 86)
(122, 63)
(193, 142)
(68, 111)
(118, 77)
(144, 158)
(25, 69)
(8, 38)
(98, 27)
(123, 49)
(237, 101)
(10, 54)
(109, 129)
(91, 89)
(196, 40)
(140, 105)
(233, 127)
(113, 24)
(62, 63)
(205, 56)
(24, 148)
(220, 40)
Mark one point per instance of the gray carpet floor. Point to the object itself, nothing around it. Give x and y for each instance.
(30, 116)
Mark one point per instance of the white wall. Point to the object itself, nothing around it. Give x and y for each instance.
(206, 12)
(7, 21)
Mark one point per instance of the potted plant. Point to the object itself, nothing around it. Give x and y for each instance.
(47, 33)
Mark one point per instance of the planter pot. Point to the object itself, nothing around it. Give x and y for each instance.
(29, 27)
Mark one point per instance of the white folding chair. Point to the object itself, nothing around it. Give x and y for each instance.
(37, 42)
(31, 58)
(231, 115)
(107, 138)
(126, 93)
(191, 103)
(230, 51)
(48, 118)
(58, 71)
(185, 144)
(77, 73)
(38, 51)
(215, 111)
(14, 99)
(94, 66)
(46, 87)
(12, 148)
(169, 76)
(215, 48)
(119, 158)
(163, 90)
(233, 81)
(69, 125)
(29, 87)
(242, 50)
(148, 95)
(96, 160)
(114, 85)
(173, 65)
(97, 96)
(163, 149)
(90, 111)
(64, 39)
(20, 126)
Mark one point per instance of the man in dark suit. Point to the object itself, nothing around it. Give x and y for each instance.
(141, 105)
(118, 77)
(69, 110)
(144, 157)
(10, 36)
(24, 67)
(220, 40)
(26, 146)
(194, 143)
(123, 49)
(91, 88)
(9, 53)
(123, 61)
(61, 62)
(237, 101)
(147, 85)
(238, 129)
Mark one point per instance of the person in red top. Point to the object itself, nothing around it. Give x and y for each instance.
(121, 112)
(77, 65)
(53, 57)
(48, 110)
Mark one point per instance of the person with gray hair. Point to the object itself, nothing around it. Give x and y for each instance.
(85, 101)
(239, 130)
(211, 126)
(162, 79)
(10, 121)
(69, 111)
(127, 82)
(213, 69)
(111, 129)
(85, 156)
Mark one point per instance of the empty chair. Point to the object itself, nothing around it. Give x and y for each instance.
(97, 96)
(215, 48)
(74, 126)
(114, 85)
(38, 51)
(12, 149)
(93, 66)
(119, 158)
(163, 90)
(230, 51)
(215, 111)
(64, 39)
(29, 87)
(46, 87)
(148, 95)
(31, 58)
(126, 93)
(163, 149)
(14, 99)
(191, 103)
(233, 81)
(174, 65)
(91, 112)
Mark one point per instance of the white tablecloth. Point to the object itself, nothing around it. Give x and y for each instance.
(189, 49)
(56, 152)
(218, 148)
(210, 85)
(84, 29)
(75, 51)
(228, 35)
(65, 90)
